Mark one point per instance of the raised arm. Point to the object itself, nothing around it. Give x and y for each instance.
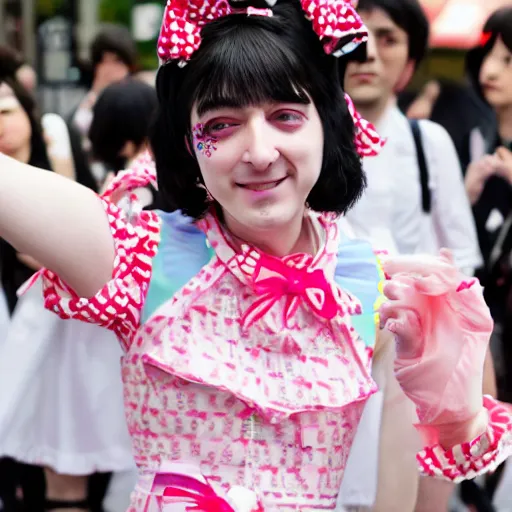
(58, 222)
(442, 328)
(399, 441)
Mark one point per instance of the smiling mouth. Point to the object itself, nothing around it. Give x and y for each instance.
(260, 187)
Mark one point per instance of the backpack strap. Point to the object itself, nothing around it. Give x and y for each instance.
(426, 200)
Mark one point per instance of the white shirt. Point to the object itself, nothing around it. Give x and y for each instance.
(390, 213)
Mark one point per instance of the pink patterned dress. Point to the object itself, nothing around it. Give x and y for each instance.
(245, 375)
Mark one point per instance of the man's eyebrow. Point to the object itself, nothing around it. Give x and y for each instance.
(207, 106)
(384, 31)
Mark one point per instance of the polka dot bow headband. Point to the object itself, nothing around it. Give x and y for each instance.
(335, 22)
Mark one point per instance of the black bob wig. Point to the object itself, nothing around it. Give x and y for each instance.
(247, 60)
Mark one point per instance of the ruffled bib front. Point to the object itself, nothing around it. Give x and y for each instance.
(276, 333)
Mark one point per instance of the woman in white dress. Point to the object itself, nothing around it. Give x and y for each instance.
(48, 418)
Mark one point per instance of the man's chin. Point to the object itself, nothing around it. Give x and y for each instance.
(272, 218)
(365, 96)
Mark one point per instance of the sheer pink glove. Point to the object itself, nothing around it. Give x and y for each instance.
(442, 328)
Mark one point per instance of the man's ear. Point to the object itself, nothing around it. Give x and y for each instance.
(406, 76)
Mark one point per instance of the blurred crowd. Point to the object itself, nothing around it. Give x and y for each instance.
(443, 179)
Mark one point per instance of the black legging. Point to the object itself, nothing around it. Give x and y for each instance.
(32, 483)
(31, 480)
(98, 486)
(472, 494)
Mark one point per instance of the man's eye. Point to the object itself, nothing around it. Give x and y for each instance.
(215, 127)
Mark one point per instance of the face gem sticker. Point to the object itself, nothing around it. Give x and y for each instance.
(203, 142)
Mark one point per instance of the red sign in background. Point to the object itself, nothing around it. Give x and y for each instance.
(458, 23)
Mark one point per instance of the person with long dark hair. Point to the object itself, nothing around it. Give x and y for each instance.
(21, 137)
(488, 177)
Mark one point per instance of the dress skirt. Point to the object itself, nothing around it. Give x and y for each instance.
(61, 398)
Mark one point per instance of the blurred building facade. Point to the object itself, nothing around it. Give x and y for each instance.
(54, 37)
(20, 20)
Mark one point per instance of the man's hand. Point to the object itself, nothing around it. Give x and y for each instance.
(442, 328)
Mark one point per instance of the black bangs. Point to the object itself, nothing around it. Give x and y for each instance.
(246, 66)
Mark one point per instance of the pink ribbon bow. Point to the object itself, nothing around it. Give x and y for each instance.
(274, 278)
(185, 489)
(180, 35)
(333, 22)
(368, 141)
